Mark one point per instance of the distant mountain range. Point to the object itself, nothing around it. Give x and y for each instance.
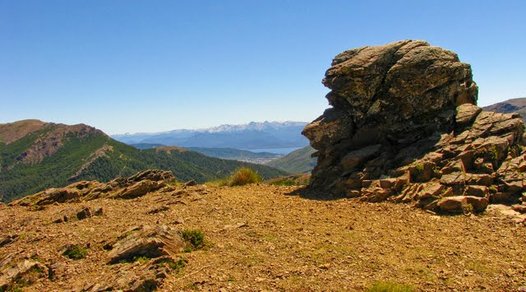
(515, 105)
(35, 155)
(254, 135)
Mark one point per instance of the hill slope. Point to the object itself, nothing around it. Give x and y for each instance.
(223, 153)
(257, 237)
(515, 105)
(52, 155)
(265, 135)
(298, 161)
(236, 154)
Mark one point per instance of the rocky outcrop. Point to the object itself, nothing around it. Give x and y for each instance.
(144, 256)
(14, 275)
(138, 276)
(135, 186)
(404, 126)
(148, 242)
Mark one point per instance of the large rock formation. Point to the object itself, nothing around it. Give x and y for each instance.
(404, 126)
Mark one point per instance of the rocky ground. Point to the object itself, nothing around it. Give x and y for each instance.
(257, 237)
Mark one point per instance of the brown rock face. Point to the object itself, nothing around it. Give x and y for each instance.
(404, 126)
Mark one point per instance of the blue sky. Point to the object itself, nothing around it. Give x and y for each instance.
(143, 66)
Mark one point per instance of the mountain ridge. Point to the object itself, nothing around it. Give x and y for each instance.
(513, 105)
(53, 155)
(253, 135)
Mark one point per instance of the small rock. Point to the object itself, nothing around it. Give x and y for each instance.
(99, 212)
(190, 183)
(158, 210)
(519, 208)
(5, 240)
(84, 213)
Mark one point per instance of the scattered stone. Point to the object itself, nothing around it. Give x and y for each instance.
(158, 210)
(5, 240)
(190, 183)
(235, 226)
(84, 213)
(62, 219)
(99, 212)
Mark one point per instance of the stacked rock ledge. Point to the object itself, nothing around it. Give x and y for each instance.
(404, 127)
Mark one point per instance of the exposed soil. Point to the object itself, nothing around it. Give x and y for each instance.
(261, 237)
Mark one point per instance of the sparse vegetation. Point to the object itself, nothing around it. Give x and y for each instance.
(417, 172)
(194, 238)
(176, 265)
(467, 209)
(388, 286)
(141, 259)
(75, 252)
(244, 176)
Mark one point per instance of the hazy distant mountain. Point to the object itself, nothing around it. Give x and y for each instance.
(298, 161)
(35, 155)
(515, 105)
(254, 135)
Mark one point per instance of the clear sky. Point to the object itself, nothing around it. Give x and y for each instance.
(143, 66)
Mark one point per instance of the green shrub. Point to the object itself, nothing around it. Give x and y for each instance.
(75, 252)
(194, 238)
(176, 265)
(244, 176)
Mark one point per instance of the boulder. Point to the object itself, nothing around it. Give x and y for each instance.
(462, 204)
(409, 107)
